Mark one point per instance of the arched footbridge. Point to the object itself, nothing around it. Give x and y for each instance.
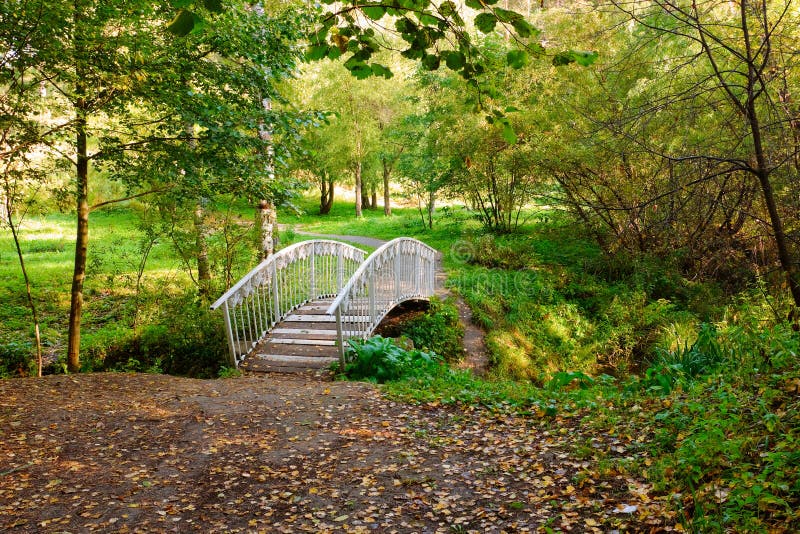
(297, 309)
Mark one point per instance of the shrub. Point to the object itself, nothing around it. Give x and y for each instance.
(438, 330)
(189, 340)
(379, 359)
(16, 359)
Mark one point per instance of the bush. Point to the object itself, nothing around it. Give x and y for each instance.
(438, 330)
(379, 359)
(188, 341)
(16, 359)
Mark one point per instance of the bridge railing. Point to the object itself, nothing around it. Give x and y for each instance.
(286, 280)
(402, 269)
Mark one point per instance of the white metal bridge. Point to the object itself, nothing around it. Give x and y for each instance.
(297, 309)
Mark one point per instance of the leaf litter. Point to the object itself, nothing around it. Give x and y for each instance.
(277, 453)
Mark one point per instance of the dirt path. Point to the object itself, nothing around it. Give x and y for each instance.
(153, 453)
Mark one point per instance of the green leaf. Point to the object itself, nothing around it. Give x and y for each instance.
(582, 58)
(562, 58)
(474, 4)
(318, 52)
(374, 12)
(517, 58)
(405, 26)
(448, 8)
(485, 22)
(380, 70)
(334, 52)
(524, 28)
(504, 15)
(182, 24)
(454, 59)
(199, 25)
(358, 68)
(585, 58)
(431, 61)
(213, 5)
(428, 20)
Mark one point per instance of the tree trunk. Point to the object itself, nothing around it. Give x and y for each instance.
(81, 241)
(373, 203)
(762, 170)
(326, 195)
(358, 189)
(201, 243)
(265, 222)
(365, 195)
(8, 212)
(387, 205)
(431, 207)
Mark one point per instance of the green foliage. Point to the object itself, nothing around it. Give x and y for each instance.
(379, 359)
(16, 359)
(228, 372)
(190, 341)
(438, 330)
(726, 442)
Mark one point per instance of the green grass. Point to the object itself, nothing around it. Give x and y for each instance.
(111, 302)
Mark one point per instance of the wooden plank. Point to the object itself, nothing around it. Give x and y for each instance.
(304, 331)
(313, 351)
(326, 318)
(288, 360)
(312, 308)
(296, 341)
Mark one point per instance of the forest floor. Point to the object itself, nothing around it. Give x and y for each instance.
(300, 453)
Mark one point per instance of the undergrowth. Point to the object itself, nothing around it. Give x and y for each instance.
(714, 425)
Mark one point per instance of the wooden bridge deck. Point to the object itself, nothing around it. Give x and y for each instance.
(306, 339)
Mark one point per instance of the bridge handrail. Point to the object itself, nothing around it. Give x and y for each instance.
(284, 281)
(400, 270)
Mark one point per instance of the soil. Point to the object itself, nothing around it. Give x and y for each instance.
(296, 453)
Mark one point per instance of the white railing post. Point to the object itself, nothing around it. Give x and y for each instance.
(229, 333)
(398, 283)
(339, 271)
(276, 300)
(312, 293)
(340, 339)
(371, 294)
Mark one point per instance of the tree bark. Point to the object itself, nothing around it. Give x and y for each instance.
(387, 205)
(201, 243)
(265, 222)
(9, 213)
(81, 241)
(81, 197)
(326, 195)
(365, 195)
(373, 203)
(431, 207)
(358, 188)
(762, 170)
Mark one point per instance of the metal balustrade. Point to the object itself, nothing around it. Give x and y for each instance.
(278, 285)
(402, 269)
